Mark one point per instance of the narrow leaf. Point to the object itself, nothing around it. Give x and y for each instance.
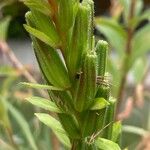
(141, 43)
(135, 130)
(41, 86)
(44, 103)
(40, 5)
(41, 36)
(55, 126)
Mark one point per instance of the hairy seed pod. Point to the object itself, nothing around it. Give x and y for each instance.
(101, 50)
(87, 85)
(109, 117)
(90, 3)
(79, 41)
(66, 15)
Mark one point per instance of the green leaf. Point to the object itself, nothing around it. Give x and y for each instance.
(145, 15)
(138, 69)
(55, 126)
(41, 86)
(126, 8)
(44, 103)
(105, 144)
(41, 36)
(141, 44)
(4, 24)
(135, 130)
(23, 125)
(99, 103)
(39, 5)
(114, 33)
(116, 131)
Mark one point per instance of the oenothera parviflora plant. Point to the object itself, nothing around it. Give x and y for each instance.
(74, 71)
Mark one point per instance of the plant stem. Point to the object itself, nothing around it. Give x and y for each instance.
(128, 51)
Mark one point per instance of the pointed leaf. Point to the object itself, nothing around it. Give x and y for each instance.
(141, 44)
(40, 5)
(99, 103)
(44, 103)
(41, 86)
(55, 126)
(105, 144)
(135, 130)
(41, 36)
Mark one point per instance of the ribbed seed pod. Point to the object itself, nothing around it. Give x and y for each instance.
(103, 90)
(79, 41)
(90, 3)
(102, 50)
(109, 117)
(51, 65)
(87, 85)
(66, 14)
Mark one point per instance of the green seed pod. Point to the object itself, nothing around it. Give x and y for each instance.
(87, 85)
(101, 50)
(104, 92)
(51, 65)
(109, 117)
(66, 15)
(90, 4)
(79, 41)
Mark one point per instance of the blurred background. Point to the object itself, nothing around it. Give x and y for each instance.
(125, 24)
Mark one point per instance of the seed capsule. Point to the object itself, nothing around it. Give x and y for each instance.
(101, 50)
(79, 41)
(87, 85)
(109, 117)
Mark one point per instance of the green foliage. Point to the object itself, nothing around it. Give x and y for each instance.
(55, 126)
(44, 103)
(74, 70)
